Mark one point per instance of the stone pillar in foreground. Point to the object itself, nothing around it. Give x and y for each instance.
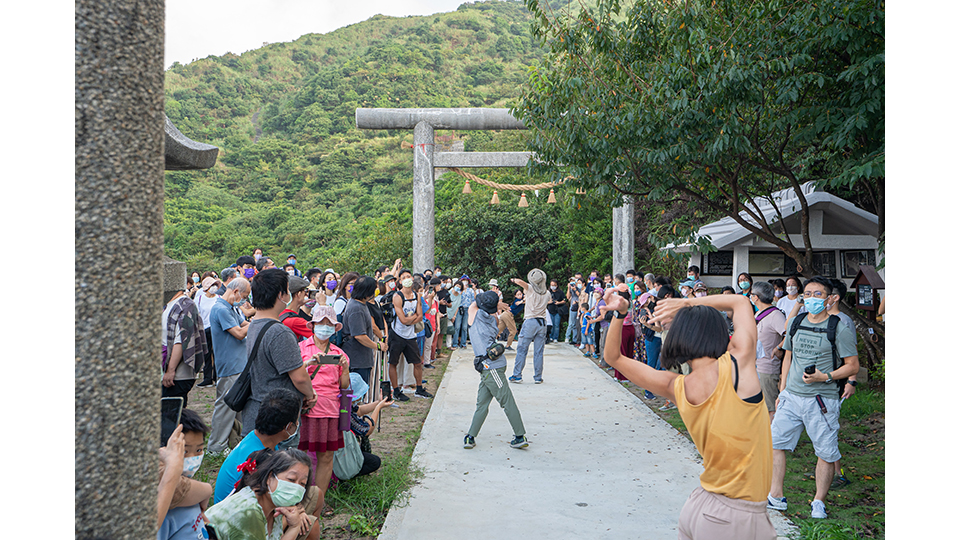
(423, 197)
(623, 236)
(119, 163)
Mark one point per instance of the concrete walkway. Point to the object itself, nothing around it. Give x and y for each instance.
(600, 463)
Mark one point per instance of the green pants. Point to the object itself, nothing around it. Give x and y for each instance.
(493, 384)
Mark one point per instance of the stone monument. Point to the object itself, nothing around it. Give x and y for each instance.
(119, 163)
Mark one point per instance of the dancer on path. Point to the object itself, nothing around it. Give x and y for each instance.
(493, 381)
(534, 328)
(721, 405)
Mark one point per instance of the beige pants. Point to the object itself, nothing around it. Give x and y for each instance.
(505, 321)
(709, 516)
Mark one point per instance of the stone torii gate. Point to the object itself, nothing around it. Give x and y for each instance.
(424, 122)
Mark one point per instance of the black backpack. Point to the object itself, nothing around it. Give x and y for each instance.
(386, 305)
(831, 331)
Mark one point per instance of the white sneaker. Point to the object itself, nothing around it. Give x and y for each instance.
(818, 510)
(581, 347)
(776, 504)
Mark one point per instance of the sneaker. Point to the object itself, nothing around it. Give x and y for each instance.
(515, 379)
(536, 381)
(581, 347)
(818, 510)
(668, 406)
(469, 442)
(519, 442)
(205, 384)
(509, 349)
(839, 481)
(596, 356)
(777, 504)
(648, 394)
(430, 366)
(398, 396)
(422, 392)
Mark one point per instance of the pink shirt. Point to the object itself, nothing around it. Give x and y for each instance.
(326, 383)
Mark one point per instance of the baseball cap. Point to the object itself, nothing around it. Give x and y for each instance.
(297, 284)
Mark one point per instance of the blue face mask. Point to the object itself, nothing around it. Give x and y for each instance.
(744, 285)
(814, 305)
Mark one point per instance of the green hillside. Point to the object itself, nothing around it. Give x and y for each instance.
(296, 175)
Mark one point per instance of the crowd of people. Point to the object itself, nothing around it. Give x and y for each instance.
(304, 363)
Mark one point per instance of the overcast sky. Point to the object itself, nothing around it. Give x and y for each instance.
(198, 28)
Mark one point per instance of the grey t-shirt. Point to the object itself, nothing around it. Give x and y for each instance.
(536, 305)
(808, 348)
(356, 322)
(279, 354)
(483, 333)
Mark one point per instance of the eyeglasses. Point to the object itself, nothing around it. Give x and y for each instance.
(816, 294)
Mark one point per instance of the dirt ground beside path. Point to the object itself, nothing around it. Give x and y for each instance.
(399, 430)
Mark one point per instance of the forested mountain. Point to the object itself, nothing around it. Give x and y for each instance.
(296, 175)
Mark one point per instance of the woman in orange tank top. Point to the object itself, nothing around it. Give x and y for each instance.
(721, 405)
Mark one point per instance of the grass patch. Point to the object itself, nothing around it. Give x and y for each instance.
(856, 510)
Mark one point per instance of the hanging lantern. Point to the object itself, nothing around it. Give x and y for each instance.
(552, 198)
(523, 201)
(466, 187)
(495, 199)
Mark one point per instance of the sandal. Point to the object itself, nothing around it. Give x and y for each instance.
(327, 511)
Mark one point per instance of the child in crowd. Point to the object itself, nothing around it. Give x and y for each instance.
(182, 500)
(586, 330)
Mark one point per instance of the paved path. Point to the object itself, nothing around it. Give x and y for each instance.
(600, 463)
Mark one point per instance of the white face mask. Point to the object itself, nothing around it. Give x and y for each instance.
(792, 290)
(407, 283)
(323, 331)
(191, 465)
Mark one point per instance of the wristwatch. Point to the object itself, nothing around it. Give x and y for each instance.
(619, 315)
(829, 378)
(852, 383)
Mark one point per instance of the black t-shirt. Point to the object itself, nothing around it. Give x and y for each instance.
(377, 315)
(557, 297)
(441, 296)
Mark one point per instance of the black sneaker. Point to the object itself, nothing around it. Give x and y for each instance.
(469, 442)
(398, 396)
(422, 392)
(205, 384)
(519, 442)
(430, 366)
(839, 481)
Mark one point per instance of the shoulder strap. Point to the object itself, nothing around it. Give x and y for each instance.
(285, 316)
(797, 321)
(736, 370)
(765, 312)
(832, 324)
(256, 346)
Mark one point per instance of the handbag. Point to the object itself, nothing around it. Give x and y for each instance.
(348, 460)
(241, 391)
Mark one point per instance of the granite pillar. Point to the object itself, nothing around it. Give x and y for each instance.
(623, 236)
(423, 197)
(119, 163)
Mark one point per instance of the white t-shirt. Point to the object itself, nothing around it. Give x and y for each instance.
(204, 306)
(786, 305)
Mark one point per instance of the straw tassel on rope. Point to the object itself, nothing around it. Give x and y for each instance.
(495, 199)
(466, 187)
(523, 201)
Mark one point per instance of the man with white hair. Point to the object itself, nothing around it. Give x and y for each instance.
(229, 331)
(534, 326)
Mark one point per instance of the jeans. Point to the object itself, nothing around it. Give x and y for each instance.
(535, 331)
(555, 329)
(653, 352)
(573, 329)
(460, 331)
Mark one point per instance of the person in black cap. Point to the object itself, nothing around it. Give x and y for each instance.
(493, 377)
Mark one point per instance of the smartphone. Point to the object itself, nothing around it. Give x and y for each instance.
(170, 409)
(329, 359)
(385, 391)
(810, 369)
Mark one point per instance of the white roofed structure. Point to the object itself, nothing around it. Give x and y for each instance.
(842, 235)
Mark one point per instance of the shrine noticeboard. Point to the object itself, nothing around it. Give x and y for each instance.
(867, 285)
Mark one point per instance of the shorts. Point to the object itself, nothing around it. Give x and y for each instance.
(770, 384)
(795, 413)
(708, 515)
(407, 347)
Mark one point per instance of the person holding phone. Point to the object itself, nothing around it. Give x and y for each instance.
(721, 405)
(329, 370)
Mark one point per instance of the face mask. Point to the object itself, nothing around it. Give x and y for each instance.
(458, 288)
(310, 304)
(744, 285)
(553, 287)
(295, 433)
(257, 256)
(248, 273)
(407, 283)
(332, 284)
(287, 493)
(814, 305)
(630, 280)
(446, 285)
(292, 261)
(323, 332)
(289, 272)
(349, 288)
(391, 285)
(196, 279)
(777, 294)
(700, 294)
(191, 465)
(238, 304)
(792, 291)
